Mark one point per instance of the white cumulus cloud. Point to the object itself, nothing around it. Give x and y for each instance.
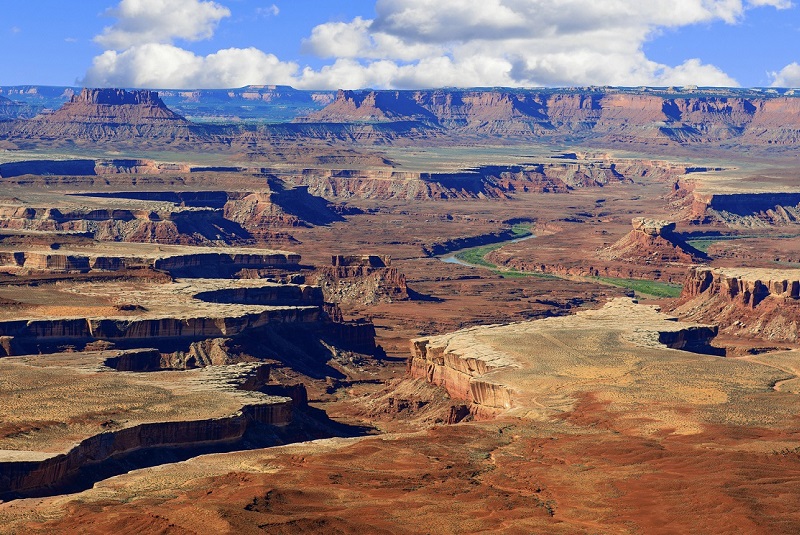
(425, 43)
(789, 76)
(168, 66)
(161, 21)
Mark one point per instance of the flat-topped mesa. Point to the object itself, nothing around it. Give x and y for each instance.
(652, 241)
(116, 106)
(117, 97)
(755, 303)
(104, 115)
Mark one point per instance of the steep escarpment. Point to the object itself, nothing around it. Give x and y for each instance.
(41, 458)
(197, 263)
(26, 335)
(605, 114)
(748, 302)
(103, 114)
(503, 368)
(746, 209)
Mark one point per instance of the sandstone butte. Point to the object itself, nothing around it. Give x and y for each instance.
(655, 242)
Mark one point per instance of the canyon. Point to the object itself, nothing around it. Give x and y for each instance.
(452, 310)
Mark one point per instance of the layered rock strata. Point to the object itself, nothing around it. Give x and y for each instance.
(605, 115)
(33, 334)
(612, 115)
(482, 182)
(168, 225)
(198, 263)
(747, 210)
(99, 428)
(100, 114)
(510, 368)
(752, 302)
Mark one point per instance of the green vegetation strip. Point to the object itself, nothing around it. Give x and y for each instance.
(520, 230)
(653, 288)
(476, 256)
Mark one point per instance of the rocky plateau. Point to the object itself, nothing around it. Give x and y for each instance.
(207, 300)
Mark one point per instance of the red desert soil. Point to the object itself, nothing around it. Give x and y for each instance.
(499, 477)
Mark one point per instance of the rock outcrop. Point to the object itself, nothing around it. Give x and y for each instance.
(654, 242)
(750, 302)
(365, 280)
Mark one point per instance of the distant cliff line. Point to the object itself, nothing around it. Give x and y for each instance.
(657, 116)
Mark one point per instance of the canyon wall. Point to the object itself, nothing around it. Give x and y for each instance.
(461, 375)
(747, 210)
(178, 265)
(29, 472)
(627, 116)
(34, 335)
(750, 302)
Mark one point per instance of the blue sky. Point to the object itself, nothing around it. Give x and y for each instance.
(399, 43)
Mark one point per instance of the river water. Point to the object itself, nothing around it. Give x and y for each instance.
(450, 258)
